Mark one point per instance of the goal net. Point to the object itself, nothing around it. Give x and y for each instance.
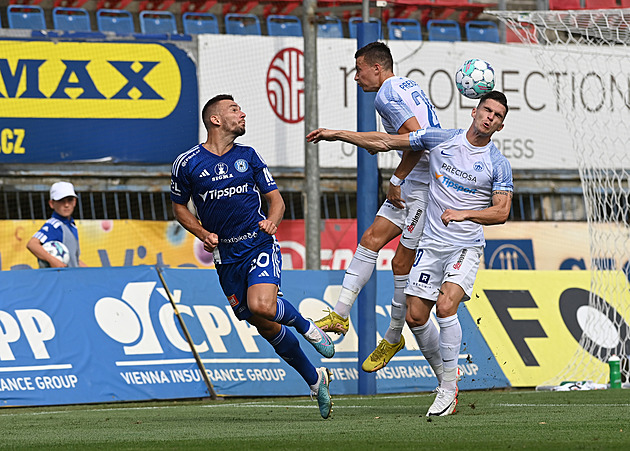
(584, 56)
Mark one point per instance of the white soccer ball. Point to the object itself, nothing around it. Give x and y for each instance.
(474, 78)
(58, 250)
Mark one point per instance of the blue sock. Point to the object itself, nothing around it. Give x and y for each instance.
(289, 316)
(287, 346)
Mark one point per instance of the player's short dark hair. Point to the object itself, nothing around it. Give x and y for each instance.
(376, 52)
(206, 111)
(497, 96)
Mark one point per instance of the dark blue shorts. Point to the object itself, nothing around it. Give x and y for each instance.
(262, 265)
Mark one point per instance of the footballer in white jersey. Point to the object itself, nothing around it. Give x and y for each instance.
(463, 177)
(471, 186)
(397, 100)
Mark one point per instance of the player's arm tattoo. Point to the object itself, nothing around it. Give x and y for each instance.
(503, 193)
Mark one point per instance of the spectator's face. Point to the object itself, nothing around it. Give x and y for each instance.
(64, 207)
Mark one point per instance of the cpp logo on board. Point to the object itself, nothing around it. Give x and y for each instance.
(285, 85)
(87, 80)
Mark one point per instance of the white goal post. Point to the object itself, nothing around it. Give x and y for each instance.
(585, 56)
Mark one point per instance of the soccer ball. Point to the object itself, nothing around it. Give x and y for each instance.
(474, 78)
(58, 250)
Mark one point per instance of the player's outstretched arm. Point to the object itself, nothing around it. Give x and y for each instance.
(371, 141)
(189, 222)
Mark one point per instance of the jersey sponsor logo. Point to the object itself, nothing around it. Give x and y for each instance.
(449, 183)
(424, 278)
(204, 173)
(407, 84)
(232, 300)
(188, 157)
(236, 239)
(414, 221)
(459, 173)
(460, 260)
(446, 154)
(175, 189)
(228, 192)
(221, 170)
(241, 165)
(88, 80)
(285, 85)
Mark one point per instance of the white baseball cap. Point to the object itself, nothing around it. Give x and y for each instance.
(60, 190)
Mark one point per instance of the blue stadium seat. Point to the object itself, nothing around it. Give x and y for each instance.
(482, 30)
(157, 22)
(329, 27)
(118, 21)
(200, 23)
(71, 19)
(236, 23)
(30, 17)
(444, 30)
(404, 29)
(278, 25)
(352, 25)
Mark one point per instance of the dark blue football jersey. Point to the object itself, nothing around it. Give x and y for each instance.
(226, 191)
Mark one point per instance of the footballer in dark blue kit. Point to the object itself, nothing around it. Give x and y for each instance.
(227, 182)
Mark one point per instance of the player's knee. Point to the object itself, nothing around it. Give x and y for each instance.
(415, 318)
(265, 308)
(445, 309)
(401, 265)
(370, 241)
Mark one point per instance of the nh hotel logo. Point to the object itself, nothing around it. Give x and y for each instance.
(87, 80)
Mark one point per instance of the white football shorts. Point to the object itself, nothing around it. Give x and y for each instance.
(435, 265)
(411, 218)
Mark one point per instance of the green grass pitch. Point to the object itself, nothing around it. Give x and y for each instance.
(484, 420)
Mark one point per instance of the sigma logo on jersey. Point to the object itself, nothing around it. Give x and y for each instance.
(241, 165)
(478, 166)
(216, 194)
(449, 183)
(459, 173)
(88, 80)
(460, 260)
(221, 170)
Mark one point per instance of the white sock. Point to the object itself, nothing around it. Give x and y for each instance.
(428, 339)
(312, 333)
(450, 344)
(399, 310)
(358, 273)
(315, 388)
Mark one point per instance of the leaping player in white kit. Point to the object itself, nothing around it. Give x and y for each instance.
(471, 186)
(403, 107)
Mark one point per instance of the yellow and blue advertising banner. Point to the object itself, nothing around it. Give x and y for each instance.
(96, 101)
(81, 335)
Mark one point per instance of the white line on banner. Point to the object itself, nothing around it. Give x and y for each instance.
(62, 366)
(181, 361)
(397, 358)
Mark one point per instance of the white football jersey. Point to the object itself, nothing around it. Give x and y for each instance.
(399, 99)
(463, 177)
